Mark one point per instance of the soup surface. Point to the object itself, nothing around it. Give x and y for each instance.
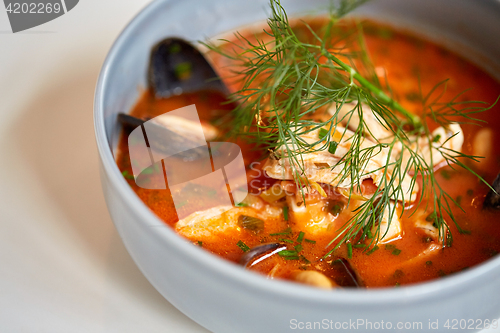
(412, 251)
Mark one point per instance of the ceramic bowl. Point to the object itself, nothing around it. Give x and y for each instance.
(222, 296)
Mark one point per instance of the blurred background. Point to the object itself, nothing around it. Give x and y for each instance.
(63, 268)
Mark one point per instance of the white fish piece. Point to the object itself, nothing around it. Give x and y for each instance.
(324, 167)
(349, 117)
(221, 219)
(311, 217)
(450, 137)
(204, 223)
(482, 145)
(422, 223)
(446, 139)
(390, 226)
(429, 229)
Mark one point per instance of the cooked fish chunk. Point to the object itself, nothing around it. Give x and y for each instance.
(323, 167)
(449, 138)
(425, 222)
(312, 216)
(221, 219)
(204, 223)
(446, 139)
(390, 226)
(348, 115)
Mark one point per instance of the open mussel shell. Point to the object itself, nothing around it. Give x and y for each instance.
(345, 275)
(177, 67)
(492, 199)
(170, 135)
(260, 252)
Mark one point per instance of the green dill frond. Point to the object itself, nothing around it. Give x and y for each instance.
(288, 78)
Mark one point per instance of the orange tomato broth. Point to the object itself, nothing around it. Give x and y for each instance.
(401, 57)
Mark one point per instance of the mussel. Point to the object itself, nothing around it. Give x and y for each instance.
(260, 252)
(344, 274)
(177, 67)
(171, 134)
(492, 199)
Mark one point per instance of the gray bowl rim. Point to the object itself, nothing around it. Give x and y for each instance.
(426, 290)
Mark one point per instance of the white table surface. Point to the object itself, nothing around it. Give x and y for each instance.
(63, 268)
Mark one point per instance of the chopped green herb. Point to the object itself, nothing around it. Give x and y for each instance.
(398, 273)
(301, 237)
(336, 262)
(349, 250)
(470, 192)
(465, 232)
(200, 243)
(127, 175)
(242, 246)
(337, 208)
(396, 285)
(183, 70)
(304, 259)
(241, 204)
(286, 240)
(372, 250)
(428, 263)
(285, 213)
(289, 254)
(174, 48)
(287, 231)
(436, 138)
(310, 241)
(369, 234)
(390, 246)
(358, 246)
(426, 240)
(446, 174)
(449, 239)
(431, 217)
(323, 133)
(459, 199)
(491, 252)
(251, 223)
(396, 252)
(332, 147)
(298, 248)
(441, 273)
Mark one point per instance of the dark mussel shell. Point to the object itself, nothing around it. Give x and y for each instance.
(345, 275)
(165, 140)
(177, 67)
(492, 199)
(265, 249)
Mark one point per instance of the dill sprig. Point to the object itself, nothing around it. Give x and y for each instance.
(285, 79)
